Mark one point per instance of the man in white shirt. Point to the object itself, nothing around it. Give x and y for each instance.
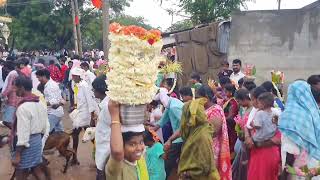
(31, 124)
(52, 95)
(88, 75)
(35, 81)
(85, 106)
(103, 130)
(237, 74)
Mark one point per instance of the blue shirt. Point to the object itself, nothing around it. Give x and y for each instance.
(160, 77)
(173, 114)
(155, 163)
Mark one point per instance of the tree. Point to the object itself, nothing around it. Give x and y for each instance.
(39, 24)
(130, 20)
(205, 11)
(180, 25)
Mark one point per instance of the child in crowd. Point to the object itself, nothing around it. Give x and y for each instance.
(127, 146)
(154, 156)
(195, 80)
(155, 111)
(270, 87)
(231, 109)
(240, 83)
(225, 71)
(240, 164)
(263, 121)
(219, 92)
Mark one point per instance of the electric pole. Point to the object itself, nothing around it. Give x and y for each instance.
(78, 27)
(105, 27)
(75, 36)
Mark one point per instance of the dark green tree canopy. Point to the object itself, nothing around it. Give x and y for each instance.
(205, 11)
(180, 25)
(47, 24)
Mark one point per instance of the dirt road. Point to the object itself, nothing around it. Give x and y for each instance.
(85, 171)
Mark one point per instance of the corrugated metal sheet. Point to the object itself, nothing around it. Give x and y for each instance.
(168, 40)
(223, 36)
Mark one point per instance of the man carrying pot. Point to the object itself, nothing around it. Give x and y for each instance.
(172, 113)
(85, 106)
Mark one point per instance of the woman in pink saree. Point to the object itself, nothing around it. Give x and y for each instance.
(220, 140)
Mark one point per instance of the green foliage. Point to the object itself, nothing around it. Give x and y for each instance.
(205, 11)
(129, 20)
(291, 170)
(119, 5)
(180, 25)
(41, 24)
(239, 131)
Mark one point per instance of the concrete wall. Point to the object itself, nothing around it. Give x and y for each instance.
(286, 40)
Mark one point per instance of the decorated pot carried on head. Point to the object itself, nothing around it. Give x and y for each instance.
(134, 59)
(277, 77)
(250, 71)
(171, 71)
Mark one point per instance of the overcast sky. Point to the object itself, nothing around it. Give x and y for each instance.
(158, 17)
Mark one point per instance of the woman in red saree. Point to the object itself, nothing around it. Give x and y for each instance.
(264, 162)
(220, 145)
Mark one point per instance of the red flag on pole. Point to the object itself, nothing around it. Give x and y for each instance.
(97, 3)
(76, 20)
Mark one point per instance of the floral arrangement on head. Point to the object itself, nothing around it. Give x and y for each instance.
(170, 70)
(151, 36)
(250, 72)
(134, 59)
(172, 67)
(277, 77)
(304, 171)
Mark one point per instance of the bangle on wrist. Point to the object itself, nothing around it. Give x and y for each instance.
(115, 122)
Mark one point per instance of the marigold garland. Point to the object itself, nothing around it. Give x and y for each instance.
(151, 36)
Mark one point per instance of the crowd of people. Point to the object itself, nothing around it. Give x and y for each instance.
(226, 129)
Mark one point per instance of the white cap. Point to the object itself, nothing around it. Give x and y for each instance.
(77, 72)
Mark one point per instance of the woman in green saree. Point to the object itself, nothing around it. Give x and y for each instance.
(196, 159)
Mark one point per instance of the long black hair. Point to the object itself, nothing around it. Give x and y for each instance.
(270, 88)
(206, 91)
(170, 83)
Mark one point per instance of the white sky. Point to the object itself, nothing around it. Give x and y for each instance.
(158, 17)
